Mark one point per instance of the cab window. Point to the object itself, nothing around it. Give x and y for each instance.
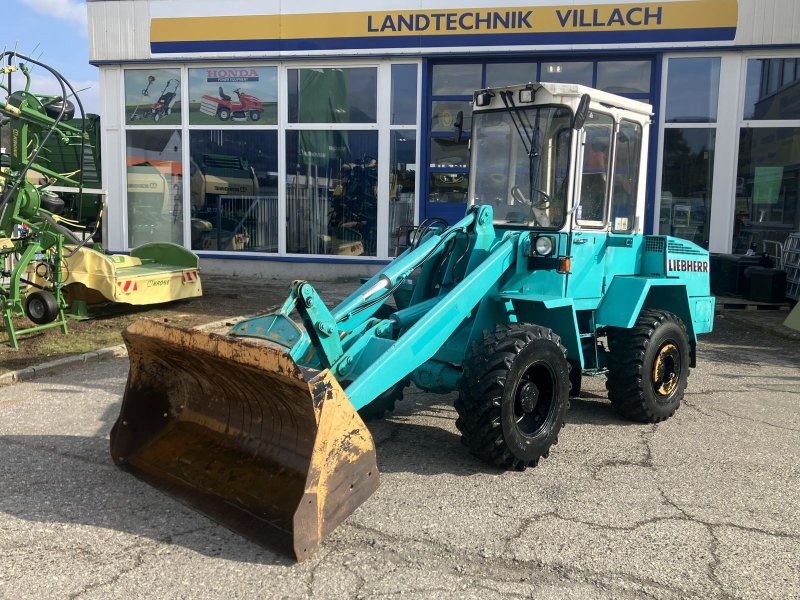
(599, 129)
(625, 183)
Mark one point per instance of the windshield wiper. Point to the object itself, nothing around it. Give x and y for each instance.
(530, 135)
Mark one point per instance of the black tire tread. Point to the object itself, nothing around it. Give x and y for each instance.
(479, 400)
(626, 377)
(384, 403)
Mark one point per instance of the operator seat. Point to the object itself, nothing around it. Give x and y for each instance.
(223, 95)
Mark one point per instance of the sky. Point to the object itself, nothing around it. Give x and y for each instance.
(53, 32)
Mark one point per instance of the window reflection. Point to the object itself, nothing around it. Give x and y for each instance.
(567, 72)
(502, 74)
(331, 192)
(234, 190)
(155, 197)
(767, 186)
(333, 95)
(456, 80)
(402, 188)
(404, 94)
(692, 90)
(772, 89)
(687, 183)
(624, 76)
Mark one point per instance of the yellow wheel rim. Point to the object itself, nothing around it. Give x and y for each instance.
(666, 369)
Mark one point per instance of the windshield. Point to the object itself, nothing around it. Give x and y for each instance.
(520, 164)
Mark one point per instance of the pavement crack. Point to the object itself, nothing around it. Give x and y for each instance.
(705, 411)
(645, 462)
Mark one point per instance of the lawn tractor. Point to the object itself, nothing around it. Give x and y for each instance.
(47, 264)
(224, 108)
(548, 278)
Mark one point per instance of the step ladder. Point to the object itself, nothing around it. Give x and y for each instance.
(791, 264)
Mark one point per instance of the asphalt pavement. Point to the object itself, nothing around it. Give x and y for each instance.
(704, 505)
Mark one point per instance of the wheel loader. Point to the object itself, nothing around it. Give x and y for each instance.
(548, 278)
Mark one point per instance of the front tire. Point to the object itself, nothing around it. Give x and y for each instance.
(41, 307)
(514, 396)
(648, 367)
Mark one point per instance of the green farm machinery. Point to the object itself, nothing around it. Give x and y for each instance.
(548, 278)
(49, 262)
(33, 235)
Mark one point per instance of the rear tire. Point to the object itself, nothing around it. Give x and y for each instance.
(41, 307)
(575, 377)
(224, 114)
(648, 367)
(514, 396)
(384, 403)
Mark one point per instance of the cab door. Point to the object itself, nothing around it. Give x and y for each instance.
(589, 237)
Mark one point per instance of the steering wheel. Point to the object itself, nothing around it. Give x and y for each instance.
(519, 196)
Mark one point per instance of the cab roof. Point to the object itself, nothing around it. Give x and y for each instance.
(570, 93)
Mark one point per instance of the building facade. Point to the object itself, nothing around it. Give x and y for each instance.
(262, 135)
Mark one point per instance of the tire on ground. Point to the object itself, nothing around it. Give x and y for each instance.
(514, 396)
(648, 366)
(384, 403)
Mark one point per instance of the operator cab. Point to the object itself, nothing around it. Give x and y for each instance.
(540, 167)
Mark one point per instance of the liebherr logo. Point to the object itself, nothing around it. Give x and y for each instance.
(688, 266)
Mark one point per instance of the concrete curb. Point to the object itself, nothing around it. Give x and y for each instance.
(29, 373)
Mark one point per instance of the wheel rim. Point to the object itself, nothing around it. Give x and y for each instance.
(36, 309)
(534, 398)
(666, 369)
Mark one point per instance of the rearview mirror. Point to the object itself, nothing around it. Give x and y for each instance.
(581, 112)
(458, 125)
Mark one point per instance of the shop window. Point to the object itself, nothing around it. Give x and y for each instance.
(404, 95)
(772, 90)
(594, 179)
(233, 182)
(402, 188)
(456, 80)
(153, 96)
(331, 192)
(447, 153)
(624, 76)
(336, 95)
(567, 72)
(625, 183)
(233, 95)
(503, 74)
(445, 113)
(154, 186)
(692, 90)
(686, 183)
(767, 186)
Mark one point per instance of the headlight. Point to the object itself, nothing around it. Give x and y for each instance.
(543, 246)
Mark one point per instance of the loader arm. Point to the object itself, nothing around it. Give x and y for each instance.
(421, 341)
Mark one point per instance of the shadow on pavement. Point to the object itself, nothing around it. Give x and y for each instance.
(71, 480)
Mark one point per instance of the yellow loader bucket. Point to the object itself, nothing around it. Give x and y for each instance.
(236, 429)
